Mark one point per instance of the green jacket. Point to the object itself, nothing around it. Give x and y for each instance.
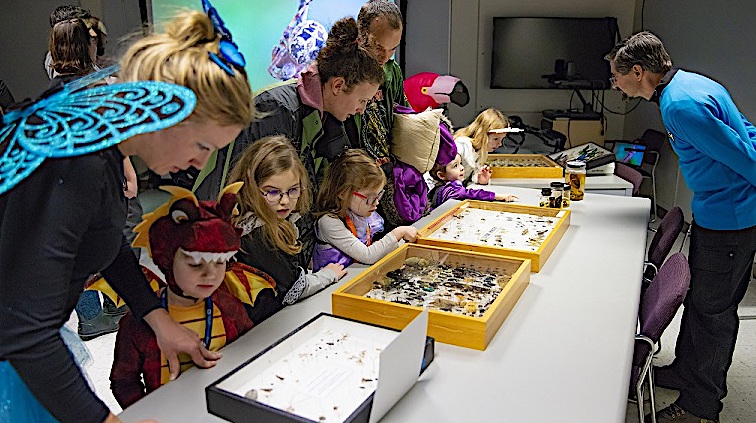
(283, 113)
(376, 123)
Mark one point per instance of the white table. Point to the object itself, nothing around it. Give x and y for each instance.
(596, 184)
(563, 354)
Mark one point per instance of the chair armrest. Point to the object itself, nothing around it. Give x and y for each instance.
(612, 143)
(646, 339)
(656, 156)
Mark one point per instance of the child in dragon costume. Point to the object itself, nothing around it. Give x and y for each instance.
(191, 242)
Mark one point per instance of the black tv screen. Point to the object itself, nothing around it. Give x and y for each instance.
(547, 52)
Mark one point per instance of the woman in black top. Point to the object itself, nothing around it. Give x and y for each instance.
(64, 221)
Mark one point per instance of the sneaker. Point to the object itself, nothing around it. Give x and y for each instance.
(666, 377)
(109, 309)
(100, 325)
(675, 413)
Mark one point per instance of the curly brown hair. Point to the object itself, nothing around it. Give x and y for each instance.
(343, 57)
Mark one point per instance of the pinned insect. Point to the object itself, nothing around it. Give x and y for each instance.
(457, 289)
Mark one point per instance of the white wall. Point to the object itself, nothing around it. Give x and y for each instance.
(471, 37)
(712, 38)
(427, 37)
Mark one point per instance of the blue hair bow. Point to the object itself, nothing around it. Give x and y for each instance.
(228, 52)
(76, 120)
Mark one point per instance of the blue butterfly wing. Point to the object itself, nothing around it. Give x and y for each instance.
(92, 119)
(15, 162)
(91, 78)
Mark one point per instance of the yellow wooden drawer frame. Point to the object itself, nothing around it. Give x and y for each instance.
(466, 331)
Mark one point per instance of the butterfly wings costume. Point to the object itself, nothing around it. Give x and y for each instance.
(62, 212)
(76, 120)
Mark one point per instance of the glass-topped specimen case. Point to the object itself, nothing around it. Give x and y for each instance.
(468, 295)
(499, 228)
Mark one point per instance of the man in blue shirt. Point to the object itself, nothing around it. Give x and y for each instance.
(716, 149)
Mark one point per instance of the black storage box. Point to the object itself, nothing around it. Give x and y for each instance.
(224, 399)
(592, 154)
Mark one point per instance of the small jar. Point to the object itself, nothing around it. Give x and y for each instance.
(566, 196)
(545, 197)
(574, 174)
(555, 201)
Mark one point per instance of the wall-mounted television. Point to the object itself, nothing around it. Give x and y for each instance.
(552, 52)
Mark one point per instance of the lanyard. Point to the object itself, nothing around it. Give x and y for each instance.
(208, 315)
(353, 229)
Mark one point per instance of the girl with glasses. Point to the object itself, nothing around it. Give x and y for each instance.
(275, 194)
(347, 220)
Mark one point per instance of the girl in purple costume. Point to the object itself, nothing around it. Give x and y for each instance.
(450, 186)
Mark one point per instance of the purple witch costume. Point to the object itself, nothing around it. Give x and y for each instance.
(410, 191)
(362, 227)
(455, 190)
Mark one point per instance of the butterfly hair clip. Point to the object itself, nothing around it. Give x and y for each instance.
(77, 119)
(228, 52)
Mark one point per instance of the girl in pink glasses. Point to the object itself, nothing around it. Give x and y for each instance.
(347, 221)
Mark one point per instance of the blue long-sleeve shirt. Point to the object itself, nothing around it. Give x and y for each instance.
(716, 147)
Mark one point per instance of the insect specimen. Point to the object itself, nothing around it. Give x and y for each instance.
(458, 289)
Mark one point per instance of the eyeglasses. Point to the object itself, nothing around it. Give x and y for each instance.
(370, 200)
(275, 195)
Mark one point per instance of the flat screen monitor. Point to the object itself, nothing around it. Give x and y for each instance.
(631, 154)
(547, 52)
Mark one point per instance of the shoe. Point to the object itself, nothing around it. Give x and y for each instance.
(666, 377)
(100, 325)
(675, 413)
(109, 309)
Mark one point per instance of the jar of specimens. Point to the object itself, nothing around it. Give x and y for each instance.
(566, 196)
(555, 200)
(545, 197)
(574, 174)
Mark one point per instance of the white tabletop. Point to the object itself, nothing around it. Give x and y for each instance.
(563, 354)
(604, 184)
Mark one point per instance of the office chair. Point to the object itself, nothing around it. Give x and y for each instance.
(658, 306)
(653, 140)
(662, 242)
(630, 175)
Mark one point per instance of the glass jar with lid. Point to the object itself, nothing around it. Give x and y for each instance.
(574, 174)
(566, 196)
(545, 197)
(555, 201)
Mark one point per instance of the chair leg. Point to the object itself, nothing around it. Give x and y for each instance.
(639, 397)
(652, 393)
(653, 194)
(686, 234)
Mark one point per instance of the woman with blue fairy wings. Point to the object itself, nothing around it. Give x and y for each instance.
(62, 206)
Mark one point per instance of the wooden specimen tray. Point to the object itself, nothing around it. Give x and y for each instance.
(537, 256)
(523, 166)
(450, 328)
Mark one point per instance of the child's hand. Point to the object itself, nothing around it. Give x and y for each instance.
(337, 269)
(484, 176)
(506, 198)
(407, 233)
